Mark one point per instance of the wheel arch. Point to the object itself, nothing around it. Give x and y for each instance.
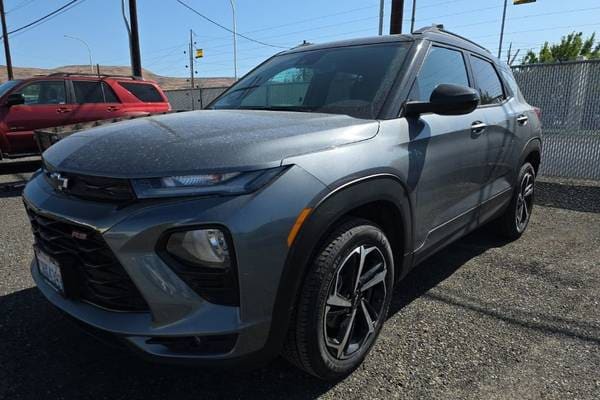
(532, 152)
(371, 197)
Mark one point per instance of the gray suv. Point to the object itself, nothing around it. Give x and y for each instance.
(278, 220)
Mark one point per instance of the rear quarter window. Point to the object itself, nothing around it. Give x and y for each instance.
(143, 91)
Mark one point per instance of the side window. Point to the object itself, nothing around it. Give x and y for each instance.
(50, 92)
(488, 82)
(441, 66)
(509, 78)
(93, 92)
(143, 91)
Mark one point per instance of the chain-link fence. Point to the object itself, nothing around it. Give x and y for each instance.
(569, 96)
(196, 99)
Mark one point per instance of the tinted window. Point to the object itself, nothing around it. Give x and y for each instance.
(50, 92)
(488, 82)
(143, 91)
(6, 86)
(352, 80)
(509, 78)
(441, 66)
(93, 92)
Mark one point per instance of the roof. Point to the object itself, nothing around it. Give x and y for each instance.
(435, 33)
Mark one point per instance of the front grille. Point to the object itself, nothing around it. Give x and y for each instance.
(89, 187)
(90, 270)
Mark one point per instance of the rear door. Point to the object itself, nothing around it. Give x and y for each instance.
(45, 106)
(446, 158)
(94, 100)
(499, 136)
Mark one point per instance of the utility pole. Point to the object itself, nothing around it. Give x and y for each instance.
(502, 29)
(234, 40)
(396, 17)
(191, 66)
(412, 19)
(9, 69)
(381, 7)
(134, 43)
(191, 51)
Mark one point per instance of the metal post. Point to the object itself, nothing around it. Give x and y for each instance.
(9, 68)
(234, 40)
(396, 17)
(88, 49)
(136, 58)
(191, 51)
(502, 29)
(412, 19)
(381, 6)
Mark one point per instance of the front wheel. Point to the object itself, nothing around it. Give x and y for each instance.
(516, 217)
(343, 302)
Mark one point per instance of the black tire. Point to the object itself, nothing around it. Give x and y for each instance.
(508, 224)
(315, 317)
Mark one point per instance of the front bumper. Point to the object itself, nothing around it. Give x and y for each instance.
(258, 223)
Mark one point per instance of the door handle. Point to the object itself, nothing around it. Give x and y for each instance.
(63, 110)
(478, 127)
(522, 119)
(112, 108)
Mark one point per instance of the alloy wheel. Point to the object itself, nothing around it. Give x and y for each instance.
(355, 302)
(524, 201)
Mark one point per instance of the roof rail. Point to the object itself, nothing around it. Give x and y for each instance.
(95, 75)
(440, 29)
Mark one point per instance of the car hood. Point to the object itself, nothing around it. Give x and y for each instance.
(202, 141)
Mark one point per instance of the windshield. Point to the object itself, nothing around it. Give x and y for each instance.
(6, 86)
(353, 80)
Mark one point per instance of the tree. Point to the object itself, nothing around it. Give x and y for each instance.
(571, 47)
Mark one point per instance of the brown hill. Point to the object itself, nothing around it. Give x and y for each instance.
(166, 82)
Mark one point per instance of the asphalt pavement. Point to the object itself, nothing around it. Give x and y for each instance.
(483, 319)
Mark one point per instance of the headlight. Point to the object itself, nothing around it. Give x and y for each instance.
(229, 183)
(206, 247)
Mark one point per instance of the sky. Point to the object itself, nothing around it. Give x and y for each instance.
(165, 25)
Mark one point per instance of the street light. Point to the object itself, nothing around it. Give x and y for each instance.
(88, 49)
(234, 40)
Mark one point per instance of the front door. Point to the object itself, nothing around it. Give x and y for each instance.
(45, 106)
(446, 159)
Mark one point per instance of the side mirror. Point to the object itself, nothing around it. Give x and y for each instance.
(14, 99)
(446, 99)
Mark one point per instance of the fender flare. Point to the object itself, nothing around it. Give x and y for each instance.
(534, 144)
(327, 210)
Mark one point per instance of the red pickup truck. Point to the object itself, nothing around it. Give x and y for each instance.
(63, 99)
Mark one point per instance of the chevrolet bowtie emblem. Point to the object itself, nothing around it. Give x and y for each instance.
(61, 182)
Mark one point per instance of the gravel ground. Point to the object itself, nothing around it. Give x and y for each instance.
(483, 319)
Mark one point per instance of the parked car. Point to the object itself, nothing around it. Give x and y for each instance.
(279, 220)
(63, 99)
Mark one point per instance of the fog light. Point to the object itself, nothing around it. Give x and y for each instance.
(205, 247)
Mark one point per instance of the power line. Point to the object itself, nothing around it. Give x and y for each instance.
(311, 29)
(45, 17)
(302, 21)
(226, 28)
(20, 5)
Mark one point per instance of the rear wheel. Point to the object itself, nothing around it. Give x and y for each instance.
(343, 301)
(516, 217)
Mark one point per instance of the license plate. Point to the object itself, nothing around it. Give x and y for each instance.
(50, 270)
